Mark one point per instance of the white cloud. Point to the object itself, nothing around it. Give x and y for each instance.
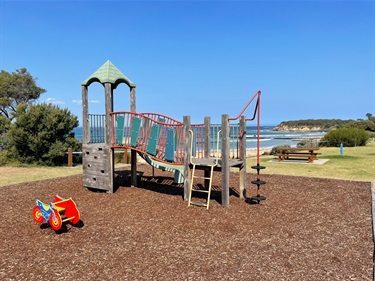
(54, 101)
(80, 101)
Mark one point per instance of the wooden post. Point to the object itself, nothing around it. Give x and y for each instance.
(133, 153)
(70, 157)
(125, 156)
(108, 133)
(187, 153)
(206, 147)
(108, 109)
(85, 116)
(225, 160)
(207, 125)
(132, 100)
(242, 171)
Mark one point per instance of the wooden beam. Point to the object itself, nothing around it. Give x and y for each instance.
(85, 116)
(108, 133)
(225, 160)
(133, 153)
(132, 100)
(133, 165)
(207, 149)
(187, 153)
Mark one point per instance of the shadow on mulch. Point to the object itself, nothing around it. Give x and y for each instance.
(166, 185)
(65, 228)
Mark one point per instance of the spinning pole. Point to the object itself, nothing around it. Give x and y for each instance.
(256, 199)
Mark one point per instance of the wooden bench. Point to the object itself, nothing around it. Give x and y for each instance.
(310, 158)
(295, 154)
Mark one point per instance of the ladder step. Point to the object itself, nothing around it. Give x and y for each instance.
(198, 204)
(199, 177)
(200, 190)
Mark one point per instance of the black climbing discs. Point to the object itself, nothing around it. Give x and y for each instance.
(258, 167)
(258, 181)
(256, 199)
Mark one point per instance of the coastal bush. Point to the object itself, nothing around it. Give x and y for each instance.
(349, 137)
(4, 158)
(366, 125)
(329, 124)
(276, 149)
(119, 157)
(323, 124)
(308, 143)
(42, 134)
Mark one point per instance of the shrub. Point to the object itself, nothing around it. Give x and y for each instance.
(119, 157)
(349, 137)
(276, 150)
(42, 134)
(308, 143)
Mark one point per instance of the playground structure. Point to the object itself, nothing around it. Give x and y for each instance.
(54, 211)
(165, 143)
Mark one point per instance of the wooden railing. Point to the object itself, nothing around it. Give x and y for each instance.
(162, 137)
(96, 124)
(156, 135)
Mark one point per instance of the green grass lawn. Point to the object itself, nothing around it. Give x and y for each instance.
(357, 163)
(13, 175)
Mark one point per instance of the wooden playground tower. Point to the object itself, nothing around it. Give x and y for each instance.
(163, 142)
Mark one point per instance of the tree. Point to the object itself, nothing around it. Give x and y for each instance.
(4, 125)
(366, 125)
(42, 134)
(17, 88)
(370, 117)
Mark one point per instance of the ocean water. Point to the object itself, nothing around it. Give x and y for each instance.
(78, 134)
(268, 138)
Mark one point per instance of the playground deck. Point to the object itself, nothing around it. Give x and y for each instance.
(307, 229)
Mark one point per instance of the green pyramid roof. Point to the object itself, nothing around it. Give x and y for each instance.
(108, 73)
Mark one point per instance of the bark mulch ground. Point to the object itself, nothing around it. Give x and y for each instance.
(307, 229)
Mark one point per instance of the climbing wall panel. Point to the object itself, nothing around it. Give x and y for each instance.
(96, 168)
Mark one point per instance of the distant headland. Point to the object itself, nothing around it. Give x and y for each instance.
(309, 125)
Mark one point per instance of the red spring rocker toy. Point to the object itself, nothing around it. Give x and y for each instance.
(54, 211)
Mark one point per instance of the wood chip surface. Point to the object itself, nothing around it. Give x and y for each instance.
(306, 229)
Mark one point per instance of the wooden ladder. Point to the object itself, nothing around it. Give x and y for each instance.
(202, 162)
(193, 176)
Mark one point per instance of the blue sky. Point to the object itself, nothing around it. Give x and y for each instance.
(310, 59)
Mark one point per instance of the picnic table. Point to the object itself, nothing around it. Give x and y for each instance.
(298, 153)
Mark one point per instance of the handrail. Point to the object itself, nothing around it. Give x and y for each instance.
(256, 110)
(147, 115)
(246, 106)
(122, 136)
